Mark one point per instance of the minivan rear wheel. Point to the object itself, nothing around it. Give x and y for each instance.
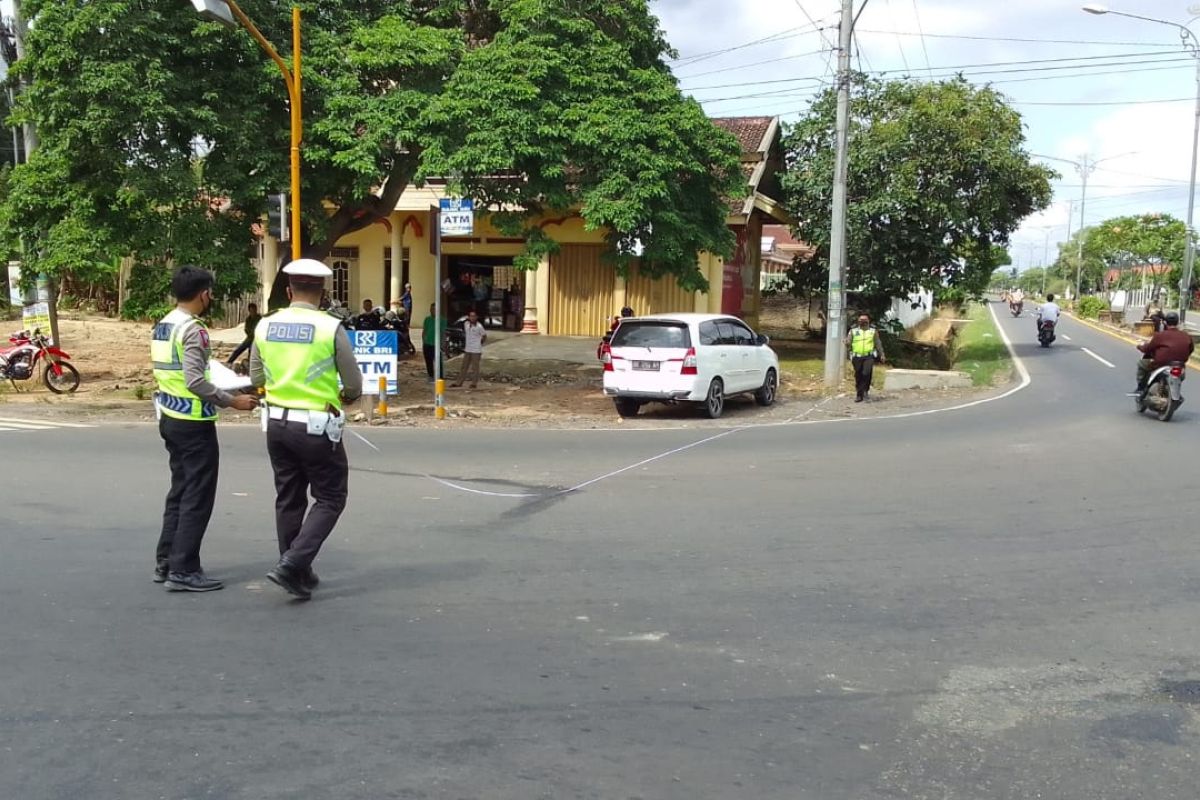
(626, 407)
(714, 401)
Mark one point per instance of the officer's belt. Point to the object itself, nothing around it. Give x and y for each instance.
(288, 414)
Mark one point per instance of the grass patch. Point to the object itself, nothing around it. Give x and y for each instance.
(980, 352)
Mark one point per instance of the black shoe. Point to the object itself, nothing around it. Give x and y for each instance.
(290, 579)
(160, 572)
(858, 398)
(310, 579)
(192, 582)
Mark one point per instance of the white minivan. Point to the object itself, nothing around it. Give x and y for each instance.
(693, 358)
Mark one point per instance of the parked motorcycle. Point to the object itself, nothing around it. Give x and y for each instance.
(1045, 333)
(1163, 392)
(28, 353)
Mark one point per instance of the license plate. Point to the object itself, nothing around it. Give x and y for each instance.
(647, 366)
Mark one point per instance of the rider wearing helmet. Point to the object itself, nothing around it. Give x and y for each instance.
(1169, 344)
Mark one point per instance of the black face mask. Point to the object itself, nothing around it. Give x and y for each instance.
(207, 305)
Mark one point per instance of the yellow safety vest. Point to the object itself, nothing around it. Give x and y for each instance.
(174, 399)
(296, 346)
(862, 342)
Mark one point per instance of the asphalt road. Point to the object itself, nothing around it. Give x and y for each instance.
(994, 602)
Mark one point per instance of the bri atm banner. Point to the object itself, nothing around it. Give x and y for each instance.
(377, 353)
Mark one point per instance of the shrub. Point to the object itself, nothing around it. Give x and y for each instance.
(1090, 307)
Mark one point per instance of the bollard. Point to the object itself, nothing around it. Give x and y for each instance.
(439, 409)
(382, 409)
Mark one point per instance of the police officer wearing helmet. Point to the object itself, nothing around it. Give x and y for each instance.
(186, 405)
(297, 357)
(865, 349)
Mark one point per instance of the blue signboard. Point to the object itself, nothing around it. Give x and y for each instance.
(456, 216)
(377, 353)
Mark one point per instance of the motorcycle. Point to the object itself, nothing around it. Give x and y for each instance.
(1016, 308)
(1163, 392)
(28, 352)
(1045, 333)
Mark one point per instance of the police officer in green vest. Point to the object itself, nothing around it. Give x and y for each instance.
(865, 349)
(297, 357)
(186, 405)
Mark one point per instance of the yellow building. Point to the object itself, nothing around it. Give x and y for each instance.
(573, 292)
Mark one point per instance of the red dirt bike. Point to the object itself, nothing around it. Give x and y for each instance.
(27, 353)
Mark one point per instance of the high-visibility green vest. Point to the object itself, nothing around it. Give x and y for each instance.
(296, 347)
(174, 399)
(862, 342)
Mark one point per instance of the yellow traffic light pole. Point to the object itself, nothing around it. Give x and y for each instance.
(292, 78)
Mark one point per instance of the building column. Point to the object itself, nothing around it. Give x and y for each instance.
(267, 268)
(395, 289)
(543, 294)
(529, 323)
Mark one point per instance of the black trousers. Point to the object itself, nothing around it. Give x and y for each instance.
(194, 457)
(864, 368)
(304, 463)
(241, 348)
(427, 350)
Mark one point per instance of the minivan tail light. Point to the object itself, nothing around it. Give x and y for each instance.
(606, 357)
(689, 363)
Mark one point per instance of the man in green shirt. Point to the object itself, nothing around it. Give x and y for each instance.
(252, 320)
(431, 330)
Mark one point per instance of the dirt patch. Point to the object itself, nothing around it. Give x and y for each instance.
(113, 359)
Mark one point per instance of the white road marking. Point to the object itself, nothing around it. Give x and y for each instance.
(1068, 338)
(17, 424)
(1021, 371)
(1103, 361)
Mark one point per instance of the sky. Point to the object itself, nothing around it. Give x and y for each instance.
(1120, 91)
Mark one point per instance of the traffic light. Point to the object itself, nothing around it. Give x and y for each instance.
(277, 217)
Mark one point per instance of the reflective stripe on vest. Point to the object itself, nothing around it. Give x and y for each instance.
(862, 342)
(166, 352)
(296, 346)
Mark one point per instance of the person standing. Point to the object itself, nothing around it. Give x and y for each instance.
(299, 354)
(474, 335)
(431, 330)
(186, 406)
(865, 349)
(406, 301)
(252, 319)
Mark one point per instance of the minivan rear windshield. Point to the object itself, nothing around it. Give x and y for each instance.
(652, 334)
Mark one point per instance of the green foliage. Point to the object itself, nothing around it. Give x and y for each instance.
(979, 350)
(543, 105)
(1123, 242)
(1090, 306)
(939, 178)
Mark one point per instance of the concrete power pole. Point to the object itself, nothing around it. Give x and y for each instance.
(835, 352)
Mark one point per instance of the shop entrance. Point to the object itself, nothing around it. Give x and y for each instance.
(489, 284)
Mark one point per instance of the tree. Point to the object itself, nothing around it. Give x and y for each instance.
(938, 180)
(163, 134)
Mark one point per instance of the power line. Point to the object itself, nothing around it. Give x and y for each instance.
(899, 41)
(1018, 39)
(790, 33)
(1100, 102)
(813, 23)
(921, 29)
(752, 64)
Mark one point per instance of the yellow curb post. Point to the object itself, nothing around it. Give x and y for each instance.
(383, 405)
(439, 411)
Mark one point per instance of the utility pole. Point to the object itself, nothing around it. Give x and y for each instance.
(1085, 168)
(835, 351)
(1067, 241)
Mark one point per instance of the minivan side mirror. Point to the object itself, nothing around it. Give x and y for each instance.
(762, 340)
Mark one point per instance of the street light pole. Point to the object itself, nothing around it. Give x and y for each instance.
(213, 10)
(835, 352)
(1192, 45)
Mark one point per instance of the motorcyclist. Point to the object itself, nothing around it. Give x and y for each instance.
(1048, 312)
(1169, 344)
(1016, 300)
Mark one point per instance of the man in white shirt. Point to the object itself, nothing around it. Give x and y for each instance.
(474, 336)
(1048, 312)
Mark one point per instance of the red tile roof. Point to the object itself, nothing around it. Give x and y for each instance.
(748, 130)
